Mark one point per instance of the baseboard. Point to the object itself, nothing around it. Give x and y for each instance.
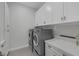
(13, 49)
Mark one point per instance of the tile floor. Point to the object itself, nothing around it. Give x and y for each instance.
(21, 52)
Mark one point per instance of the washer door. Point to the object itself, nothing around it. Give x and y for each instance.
(35, 40)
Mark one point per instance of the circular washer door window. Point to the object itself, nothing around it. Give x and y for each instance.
(35, 40)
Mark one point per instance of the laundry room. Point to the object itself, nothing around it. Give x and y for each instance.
(39, 28)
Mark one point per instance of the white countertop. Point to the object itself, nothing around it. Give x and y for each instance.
(66, 44)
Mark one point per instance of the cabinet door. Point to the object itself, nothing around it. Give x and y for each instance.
(56, 12)
(38, 18)
(53, 11)
(41, 14)
(71, 11)
(48, 51)
(52, 51)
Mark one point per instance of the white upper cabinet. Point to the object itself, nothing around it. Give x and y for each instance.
(52, 13)
(49, 13)
(57, 12)
(71, 11)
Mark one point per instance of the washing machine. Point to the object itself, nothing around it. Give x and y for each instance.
(40, 35)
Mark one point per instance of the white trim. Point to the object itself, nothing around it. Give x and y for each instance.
(13, 49)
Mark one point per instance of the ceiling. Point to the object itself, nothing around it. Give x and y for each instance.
(34, 5)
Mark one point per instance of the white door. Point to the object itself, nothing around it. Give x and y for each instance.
(3, 29)
(71, 11)
(6, 28)
(1, 18)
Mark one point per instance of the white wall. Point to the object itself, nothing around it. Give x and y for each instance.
(21, 20)
(71, 29)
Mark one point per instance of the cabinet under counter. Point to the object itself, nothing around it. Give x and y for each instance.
(61, 47)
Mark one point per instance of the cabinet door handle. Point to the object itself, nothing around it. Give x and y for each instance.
(61, 18)
(49, 46)
(44, 22)
(64, 17)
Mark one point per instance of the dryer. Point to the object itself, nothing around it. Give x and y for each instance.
(40, 35)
